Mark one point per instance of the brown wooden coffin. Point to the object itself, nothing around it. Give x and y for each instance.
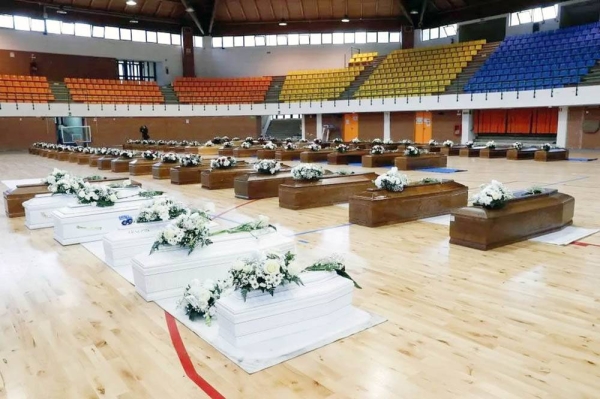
(470, 152)
(162, 170)
(225, 152)
(203, 150)
(493, 153)
(245, 152)
(217, 179)
(83, 159)
(374, 208)
(44, 153)
(32, 150)
(433, 148)
(314, 156)
(521, 218)
(257, 186)
(120, 165)
(451, 151)
(52, 154)
(93, 160)
(515, 155)
(552, 155)
(352, 156)
(105, 163)
(376, 161)
(187, 174)
(329, 190)
(265, 154)
(140, 166)
(288, 155)
(63, 156)
(73, 157)
(421, 162)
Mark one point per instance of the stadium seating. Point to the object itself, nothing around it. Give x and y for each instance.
(420, 71)
(222, 91)
(25, 89)
(325, 84)
(106, 91)
(362, 59)
(541, 60)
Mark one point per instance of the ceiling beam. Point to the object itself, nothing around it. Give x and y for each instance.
(405, 13)
(423, 9)
(213, 13)
(192, 13)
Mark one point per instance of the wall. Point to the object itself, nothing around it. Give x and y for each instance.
(166, 55)
(528, 28)
(402, 126)
(434, 42)
(575, 136)
(20, 133)
(370, 126)
(443, 124)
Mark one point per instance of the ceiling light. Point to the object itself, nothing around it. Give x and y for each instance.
(190, 10)
(133, 21)
(61, 11)
(414, 12)
(345, 19)
(283, 23)
(131, 2)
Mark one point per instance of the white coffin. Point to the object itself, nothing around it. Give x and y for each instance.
(165, 273)
(121, 245)
(75, 224)
(324, 298)
(38, 210)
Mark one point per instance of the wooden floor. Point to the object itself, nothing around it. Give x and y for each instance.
(519, 322)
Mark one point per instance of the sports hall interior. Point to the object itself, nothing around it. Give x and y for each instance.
(518, 321)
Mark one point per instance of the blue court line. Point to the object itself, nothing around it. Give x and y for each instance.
(303, 241)
(567, 181)
(322, 229)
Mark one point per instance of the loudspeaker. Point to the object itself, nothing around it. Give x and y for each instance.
(536, 27)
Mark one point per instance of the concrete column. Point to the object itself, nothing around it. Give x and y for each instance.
(187, 52)
(387, 132)
(320, 126)
(561, 131)
(303, 127)
(467, 126)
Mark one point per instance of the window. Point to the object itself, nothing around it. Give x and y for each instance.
(137, 70)
(327, 38)
(425, 35)
(22, 23)
(38, 25)
(293, 39)
(125, 34)
(450, 30)
(260, 41)
(360, 37)
(98, 31)
(111, 33)
(163, 38)
(371, 37)
(281, 40)
(198, 41)
(217, 42)
(52, 26)
(6, 21)
(250, 41)
(138, 35)
(349, 38)
(238, 41)
(394, 37)
(383, 37)
(338, 38)
(176, 40)
(304, 39)
(228, 41)
(271, 40)
(550, 12)
(534, 15)
(83, 30)
(434, 33)
(67, 28)
(439, 33)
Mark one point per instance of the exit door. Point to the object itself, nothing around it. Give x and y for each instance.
(423, 127)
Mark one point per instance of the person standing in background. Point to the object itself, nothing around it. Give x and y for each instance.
(144, 132)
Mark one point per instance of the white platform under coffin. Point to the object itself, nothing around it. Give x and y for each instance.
(76, 224)
(121, 245)
(165, 273)
(38, 210)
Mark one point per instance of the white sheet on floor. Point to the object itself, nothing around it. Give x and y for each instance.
(565, 236)
(346, 205)
(97, 249)
(12, 184)
(443, 220)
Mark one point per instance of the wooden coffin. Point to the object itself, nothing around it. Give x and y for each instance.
(140, 166)
(105, 163)
(352, 156)
(186, 175)
(245, 152)
(493, 153)
(52, 154)
(552, 155)
(470, 152)
(162, 170)
(265, 154)
(43, 152)
(515, 155)
(120, 165)
(288, 155)
(225, 152)
(329, 190)
(451, 151)
(433, 148)
(203, 150)
(257, 186)
(521, 218)
(374, 208)
(73, 157)
(314, 156)
(375, 161)
(421, 162)
(93, 160)
(83, 159)
(217, 179)
(63, 156)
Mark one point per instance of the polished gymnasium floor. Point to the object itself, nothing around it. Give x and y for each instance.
(522, 321)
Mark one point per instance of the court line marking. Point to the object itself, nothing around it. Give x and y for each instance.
(322, 229)
(186, 361)
(234, 208)
(584, 244)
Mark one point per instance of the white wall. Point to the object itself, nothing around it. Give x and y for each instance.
(434, 42)
(166, 55)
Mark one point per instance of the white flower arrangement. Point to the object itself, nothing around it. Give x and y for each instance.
(269, 146)
(332, 263)
(172, 142)
(88, 150)
(101, 151)
(189, 231)
(490, 144)
(388, 142)
(78, 149)
(469, 144)
(432, 142)
(223, 163)
(224, 139)
(170, 157)
(146, 142)
(289, 146)
(227, 144)
(355, 140)
(199, 299)
(246, 145)
(267, 166)
(492, 196)
(448, 143)
(517, 145)
(162, 209)
(406, 142)
(62, 148)
(337, 140)
(547, 147)
(126, 154)
(190, 160)
(161, 142)
(376, 141)
(307, 171)
(377, 150)
(412, 151)
(55, 175)
(249, 140)
(66, 185)
(114, 152)
(97, 195)
(150, 155)
(314, 147)
(318, 141)
(209, 143)
(303, 141)
(151, 142)
(184, 143)
(235, 139)
(392, 180)
(342, 148)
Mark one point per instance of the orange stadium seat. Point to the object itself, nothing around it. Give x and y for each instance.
(107, 91)
(222, 90)
(25, 89)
